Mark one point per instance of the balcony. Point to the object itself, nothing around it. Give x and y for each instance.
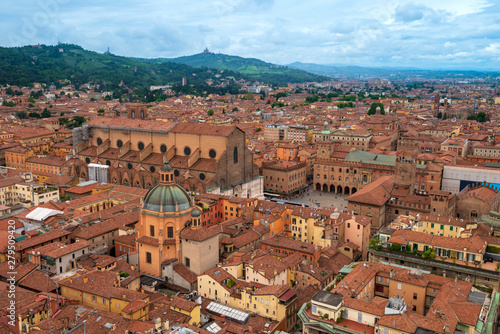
(322, 325)
(446, 264)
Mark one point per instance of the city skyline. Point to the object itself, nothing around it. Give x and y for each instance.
(450, 35)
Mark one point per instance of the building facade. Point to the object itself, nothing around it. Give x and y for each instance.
(204, 157)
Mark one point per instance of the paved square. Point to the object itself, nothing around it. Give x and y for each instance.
(325, 199)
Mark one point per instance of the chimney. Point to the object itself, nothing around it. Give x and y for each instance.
(391, 274)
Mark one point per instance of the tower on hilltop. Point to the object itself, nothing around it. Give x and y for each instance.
(406, 164)
(206, 50)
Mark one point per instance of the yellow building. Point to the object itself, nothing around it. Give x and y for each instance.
(276, 302)
(102, 290)
(187, 307)
(435, 225)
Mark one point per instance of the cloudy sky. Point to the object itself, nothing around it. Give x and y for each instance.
(451, 34)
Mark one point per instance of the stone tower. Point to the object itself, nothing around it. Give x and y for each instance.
(406, 165)
(325, 149)
(435, 110)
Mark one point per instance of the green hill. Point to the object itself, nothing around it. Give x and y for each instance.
(54, 64)
(251, 67)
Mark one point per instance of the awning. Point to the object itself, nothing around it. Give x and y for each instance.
(288, 295)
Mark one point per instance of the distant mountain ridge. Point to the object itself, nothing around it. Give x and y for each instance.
(353, 71)
(251, 67)
(48, 64)
(52, 64)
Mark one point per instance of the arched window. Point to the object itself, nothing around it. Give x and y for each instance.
(133, 114)
(235, 155)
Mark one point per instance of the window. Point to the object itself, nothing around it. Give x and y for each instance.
(94, 299)
(151, 230)
(104, 301)
(314, 309)
(235, 155)
(170, 232)
(399, 286)
(187, 261)
(415, 296)
(148, 257)
(117, 305)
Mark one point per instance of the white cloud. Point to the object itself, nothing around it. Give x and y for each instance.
(421, 33)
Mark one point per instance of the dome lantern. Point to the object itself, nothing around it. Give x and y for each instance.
(166, 173)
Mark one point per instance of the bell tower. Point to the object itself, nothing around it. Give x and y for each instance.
(406, 165)
(325, 149)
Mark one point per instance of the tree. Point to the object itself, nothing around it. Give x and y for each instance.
(21, 114)
(210, 112)
(63, 120)
(480, 117)
(312, 99)
(249, 96)
(46, 113)
(258, 130)
(31, 99)
(76, 122)
(440, 115)
(373, 108)
(235, 109)
(34, 115)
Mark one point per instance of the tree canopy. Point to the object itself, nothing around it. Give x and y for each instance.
(373, 108)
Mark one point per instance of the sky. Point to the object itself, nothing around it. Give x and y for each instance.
(430, 34)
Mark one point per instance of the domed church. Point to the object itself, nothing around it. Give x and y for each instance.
(170, 230)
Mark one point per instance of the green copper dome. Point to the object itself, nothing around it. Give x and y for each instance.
(167, 198)
(195, 213)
